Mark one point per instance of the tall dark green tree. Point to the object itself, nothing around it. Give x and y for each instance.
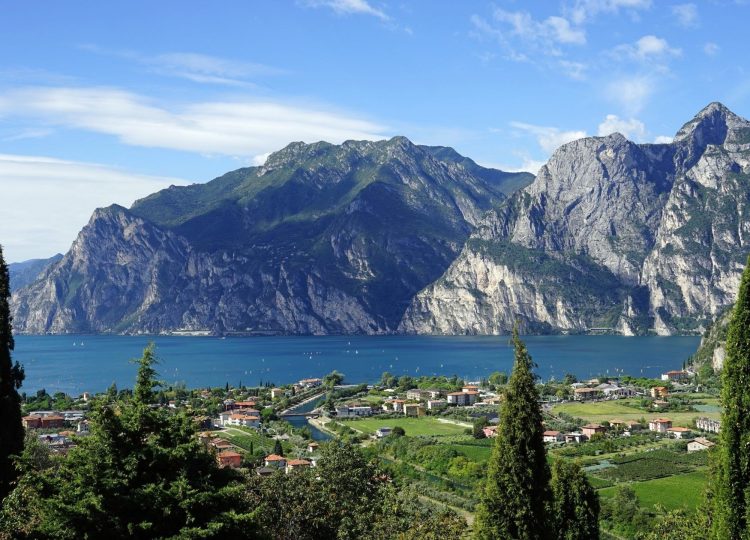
(732, 486)
(575, 507)
(11, 377)
(517, 493)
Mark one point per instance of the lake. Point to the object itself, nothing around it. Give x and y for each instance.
(75, 364)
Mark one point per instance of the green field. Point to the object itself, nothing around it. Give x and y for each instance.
(609, 410)
(672, 492)
(426, 425)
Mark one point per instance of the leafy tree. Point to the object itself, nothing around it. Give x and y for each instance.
(11, 377)
(732, 486)
(142, 473)
(388, 380)
(498, 378)
(517, 493)
(477, 427)
(575, 507)
(334, 378)
(398, 431)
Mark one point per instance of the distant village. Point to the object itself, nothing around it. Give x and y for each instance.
(225, 415)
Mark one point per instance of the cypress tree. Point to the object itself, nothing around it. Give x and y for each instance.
(517, 493)
(732, 486)
(575, 510)
(11, 377)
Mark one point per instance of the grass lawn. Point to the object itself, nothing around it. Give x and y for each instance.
(426, 425)
(474, 453)
(608, 410)
(672, 492)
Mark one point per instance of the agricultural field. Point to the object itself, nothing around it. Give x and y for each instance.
(414, 427)
(599, 411)
(678, 491)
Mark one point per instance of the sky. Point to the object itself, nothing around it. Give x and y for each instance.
(107, 102)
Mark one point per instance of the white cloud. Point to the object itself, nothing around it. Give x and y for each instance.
(630, 93)
(27, 134)
(582, 11)
(648, 47)
(242, 128)
(711, 49)
(348, 7)
(33, 221)
(549, 138)
(686, 15)
(663, 139)
(552, 30)
(631, 128)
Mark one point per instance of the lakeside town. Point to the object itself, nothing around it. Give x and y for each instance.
(645, 436)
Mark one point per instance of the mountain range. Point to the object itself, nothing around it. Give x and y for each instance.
(389, 236)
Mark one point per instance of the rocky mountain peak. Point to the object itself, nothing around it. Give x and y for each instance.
(714, 124)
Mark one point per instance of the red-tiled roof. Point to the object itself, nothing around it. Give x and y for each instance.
(274, 457)
(297, 462)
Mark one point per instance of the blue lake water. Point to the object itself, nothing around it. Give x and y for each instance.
(76, 364)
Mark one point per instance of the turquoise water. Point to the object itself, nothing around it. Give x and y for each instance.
(91, 363)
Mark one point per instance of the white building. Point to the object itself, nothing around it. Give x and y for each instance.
(708, 424)
(699, 444)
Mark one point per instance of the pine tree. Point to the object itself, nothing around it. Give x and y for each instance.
(732, 486)
(278, 449)
(516, 493)
(575, 507)
(11, 377)
(145, 381)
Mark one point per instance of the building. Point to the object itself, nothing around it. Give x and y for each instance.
(610, 390)
(708, 424)
(273, 460)
(584, 393)
(265, 471)
(220, 444)
(398, 405)
(245, 404)
(589, 430)
(383, 432)
(463, 399)
(413, 409)
(699, 444)
(312, 447)
(353, 411)
(552, 436)
(680, 432)
(659, 425)
(660, 404)
(574, 437)
(470, 388)
(243, 419)
(277, 393)
(294, 464)
(434, 394)
(659, 392)
(310, 383)
(229, 458)
(436, 404)
(82, 427)
(414, 394)
(32, 421)
(490, 431)
(676, 376)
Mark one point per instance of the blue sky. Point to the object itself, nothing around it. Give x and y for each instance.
(105, 102)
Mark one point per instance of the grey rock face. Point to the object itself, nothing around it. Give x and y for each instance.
(655, 236)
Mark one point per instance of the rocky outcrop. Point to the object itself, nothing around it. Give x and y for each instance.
(611, 235)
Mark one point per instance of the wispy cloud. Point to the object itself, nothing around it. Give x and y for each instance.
(33, 221)
(192, 66)
(549, 138)
(582, 11)
(686, 15)
(243, 128)
(27, 134)
(711, 49)
(350, 7)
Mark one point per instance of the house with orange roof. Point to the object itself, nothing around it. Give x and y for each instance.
(229, 458)
(659, 425)
(294, 464)
(274, 460)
